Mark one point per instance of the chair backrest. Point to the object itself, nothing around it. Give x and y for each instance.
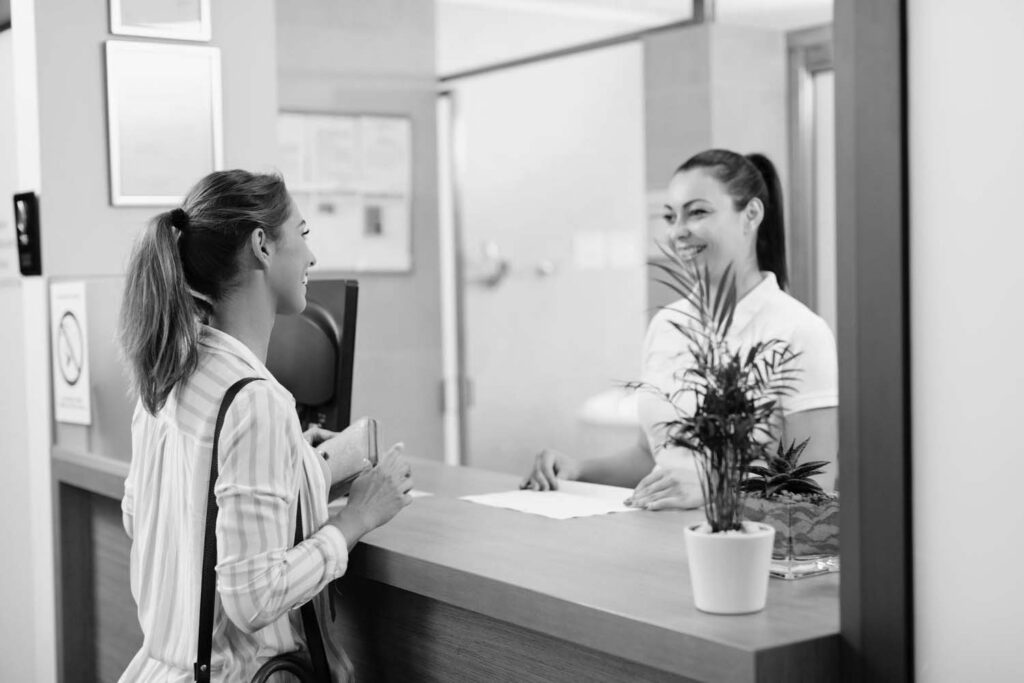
(312, 354)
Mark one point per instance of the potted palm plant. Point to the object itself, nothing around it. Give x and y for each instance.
(805, 517)
(727, 427)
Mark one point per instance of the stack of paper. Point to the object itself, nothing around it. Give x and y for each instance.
(572, 499)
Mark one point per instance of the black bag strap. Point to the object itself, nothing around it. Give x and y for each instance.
(201, 669)
(314, 639)
(310, 625)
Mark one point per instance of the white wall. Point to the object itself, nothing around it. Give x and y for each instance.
(16, 637)
(354, 56)
(967, 329)
(470, 36)
(16, 641)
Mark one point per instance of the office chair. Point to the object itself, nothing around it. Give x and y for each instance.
(312, 356)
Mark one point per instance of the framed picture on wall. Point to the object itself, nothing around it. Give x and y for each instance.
(180, 19)
(164, 120)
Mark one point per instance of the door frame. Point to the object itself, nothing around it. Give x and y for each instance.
(810, 51)
(873, 314)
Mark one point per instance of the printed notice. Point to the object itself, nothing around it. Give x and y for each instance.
(352, 179)
(386, 155)
(70, 353)
(572, 499)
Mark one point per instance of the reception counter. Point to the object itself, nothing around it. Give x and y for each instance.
(455, 591)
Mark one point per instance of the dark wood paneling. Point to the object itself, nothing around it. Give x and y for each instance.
(76, 600)
(874, 340)
(118, 635)
(99, 624)
(816, 662)
(395, 635)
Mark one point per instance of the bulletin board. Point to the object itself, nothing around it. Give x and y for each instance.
(351, 177)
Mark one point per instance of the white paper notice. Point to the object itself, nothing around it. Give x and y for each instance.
(291, 150)
(386, 155)
(335, 154)
(572, 499)
(70, 353)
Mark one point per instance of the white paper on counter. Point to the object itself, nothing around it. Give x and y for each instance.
(343, 501)
(572, 499)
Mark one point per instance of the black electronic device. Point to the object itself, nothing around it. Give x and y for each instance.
(26, 227)
(313, 354)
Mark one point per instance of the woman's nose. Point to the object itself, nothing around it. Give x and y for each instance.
(677, 229)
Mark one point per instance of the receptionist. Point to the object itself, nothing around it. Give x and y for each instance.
(723, 207)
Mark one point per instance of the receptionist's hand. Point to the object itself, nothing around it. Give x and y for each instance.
(548, 467)
(665, 489)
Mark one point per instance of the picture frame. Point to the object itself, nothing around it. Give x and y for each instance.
(164, 117)
(175, 19)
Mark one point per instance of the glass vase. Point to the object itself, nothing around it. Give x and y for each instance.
(806, 533)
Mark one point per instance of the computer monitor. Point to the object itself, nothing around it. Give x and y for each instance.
(312, 354)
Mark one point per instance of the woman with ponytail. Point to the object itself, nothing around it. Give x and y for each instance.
(723, 208)
(203, 287)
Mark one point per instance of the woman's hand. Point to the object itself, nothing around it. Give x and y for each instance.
(376, 496)
(316, 435)
(665, 489)
(548, 467)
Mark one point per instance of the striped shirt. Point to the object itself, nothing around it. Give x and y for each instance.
(261, 577)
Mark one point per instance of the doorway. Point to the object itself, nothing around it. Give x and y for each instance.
(547, 168)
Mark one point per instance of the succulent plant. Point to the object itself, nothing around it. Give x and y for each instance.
(783, 473)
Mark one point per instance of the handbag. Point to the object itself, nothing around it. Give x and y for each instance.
(313, 669)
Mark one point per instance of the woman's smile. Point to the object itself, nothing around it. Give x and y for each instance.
(689, 251)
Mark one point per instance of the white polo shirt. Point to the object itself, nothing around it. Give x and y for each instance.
(766, 312)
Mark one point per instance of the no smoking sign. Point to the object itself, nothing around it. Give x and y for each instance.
(70, 344)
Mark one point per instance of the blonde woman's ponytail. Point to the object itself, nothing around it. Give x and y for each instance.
(159, 326)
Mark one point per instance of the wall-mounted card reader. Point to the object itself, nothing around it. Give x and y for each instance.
(26, 226)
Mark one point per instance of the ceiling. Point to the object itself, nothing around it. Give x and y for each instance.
(600, 10)
(778, 14)
(475, 33)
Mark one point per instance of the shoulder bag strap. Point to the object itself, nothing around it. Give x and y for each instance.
(314, 640)
(201, 668)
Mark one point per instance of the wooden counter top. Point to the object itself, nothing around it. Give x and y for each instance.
(617, 584)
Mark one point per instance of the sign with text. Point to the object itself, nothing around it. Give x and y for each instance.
(70, 346)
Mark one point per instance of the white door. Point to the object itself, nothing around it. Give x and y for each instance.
(548, 190)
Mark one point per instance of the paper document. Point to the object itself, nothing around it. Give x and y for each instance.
(572, 499)
(343, 501)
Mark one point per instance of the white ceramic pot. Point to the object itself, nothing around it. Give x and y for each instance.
(729, 571)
